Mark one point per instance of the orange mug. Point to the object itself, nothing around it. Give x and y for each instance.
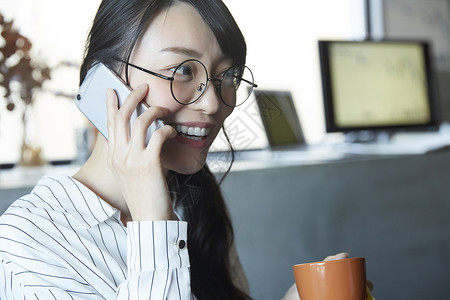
(343, 279)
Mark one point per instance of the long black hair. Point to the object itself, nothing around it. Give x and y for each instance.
(116, 28)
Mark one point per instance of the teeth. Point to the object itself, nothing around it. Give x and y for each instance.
(193, 131)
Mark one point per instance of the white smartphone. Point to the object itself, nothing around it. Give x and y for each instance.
(91, 98)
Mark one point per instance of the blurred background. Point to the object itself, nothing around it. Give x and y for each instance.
(387, 201)
(282, 53)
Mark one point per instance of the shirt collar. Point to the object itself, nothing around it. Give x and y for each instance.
(78, 200)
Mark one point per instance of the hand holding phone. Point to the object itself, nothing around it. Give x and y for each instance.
(143, 188)
(91, 98)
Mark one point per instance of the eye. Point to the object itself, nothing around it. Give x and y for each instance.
(185, 72)
(232, 77)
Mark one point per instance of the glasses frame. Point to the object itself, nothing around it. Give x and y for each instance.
(218, 86)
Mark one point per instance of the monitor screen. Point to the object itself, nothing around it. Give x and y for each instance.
(372, 85)
(279, 118)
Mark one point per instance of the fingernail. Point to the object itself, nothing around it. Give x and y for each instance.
(110, 95)
(142, 86)
(341, 255)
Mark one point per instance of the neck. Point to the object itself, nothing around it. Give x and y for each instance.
(97, 176)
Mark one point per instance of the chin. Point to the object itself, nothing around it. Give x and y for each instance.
(186, 164)
(186, 168)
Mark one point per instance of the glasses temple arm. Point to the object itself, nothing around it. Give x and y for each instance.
(249, 82)
(148, 71)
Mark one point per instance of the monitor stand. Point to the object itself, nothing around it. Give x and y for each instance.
(368, 136)
(395, 142)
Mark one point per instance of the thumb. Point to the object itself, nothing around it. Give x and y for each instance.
(337, 256)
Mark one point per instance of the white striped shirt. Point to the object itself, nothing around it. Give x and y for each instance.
(62, 241)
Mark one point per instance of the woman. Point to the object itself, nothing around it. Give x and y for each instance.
(140, 221)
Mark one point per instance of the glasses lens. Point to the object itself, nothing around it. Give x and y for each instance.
(237, 85)
(189, 81)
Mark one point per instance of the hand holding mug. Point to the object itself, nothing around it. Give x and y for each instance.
(337, 277)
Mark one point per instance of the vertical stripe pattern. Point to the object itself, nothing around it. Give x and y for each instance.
(62, 241)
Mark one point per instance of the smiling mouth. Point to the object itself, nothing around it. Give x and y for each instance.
(193, 133)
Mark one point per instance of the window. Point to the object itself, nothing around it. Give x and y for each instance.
(57, 31)
(282, 53)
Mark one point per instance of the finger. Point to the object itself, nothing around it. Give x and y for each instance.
(369, 285)
(133, 99)
(123, 116)
(158, 138)
(337, 256)
(143, 122)
(291, 293)
(111, 110)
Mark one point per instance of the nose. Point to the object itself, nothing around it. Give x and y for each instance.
(209, 102)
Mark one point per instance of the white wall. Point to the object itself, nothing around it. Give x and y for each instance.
(282, 52)
(282, 47)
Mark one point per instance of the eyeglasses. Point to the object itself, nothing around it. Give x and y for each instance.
(190, 80)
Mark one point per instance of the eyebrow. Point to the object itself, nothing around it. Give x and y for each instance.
(182, 50)
(186, 51)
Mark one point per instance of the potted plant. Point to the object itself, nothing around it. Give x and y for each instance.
(21, 77)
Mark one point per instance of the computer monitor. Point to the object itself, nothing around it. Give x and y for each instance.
(280, 119)
(377, 85)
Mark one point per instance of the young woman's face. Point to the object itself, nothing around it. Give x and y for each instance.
(173, 36)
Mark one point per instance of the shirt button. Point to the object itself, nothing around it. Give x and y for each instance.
(181, 244)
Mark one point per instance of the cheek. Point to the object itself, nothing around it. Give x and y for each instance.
(225, 112)
(159, 93)
(221, 117)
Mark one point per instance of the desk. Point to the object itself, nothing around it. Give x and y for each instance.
(394, 210)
